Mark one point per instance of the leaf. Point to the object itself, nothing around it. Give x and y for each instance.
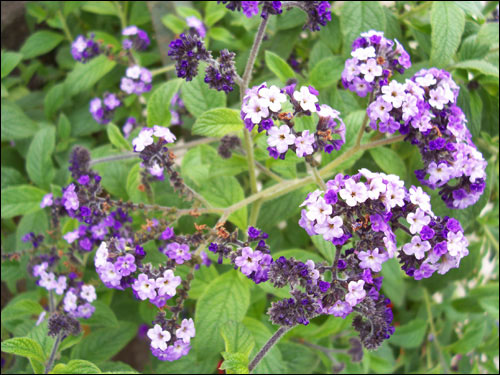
(15, 124)
(326, 72)
(55, 99)
(9, 62)
(24, 347)
(39, 158)
(410, 335)
(102, 316)
(116, 138)
(85, 76)
(326, 248)
(188, 12)
(19, 310)
(20, 200)
(221, 34)
(218, 122)
(101, 7)
(40, 43)
(281, 208)
(223, 192)
(447, 22)
(159, 103)
(35, 222)
(198, 97)
(237, 338)
(389, 161)
(226, 298)
(358, 17)
(480, 66)
(174, 23)
(393, 286)
(472, 338)
(279, 67)
(104, 343)
(133, 183)
(11, 177)
(76, 366)
(235, 363)
(213, 13)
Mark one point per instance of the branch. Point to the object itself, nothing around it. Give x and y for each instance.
(267, 346)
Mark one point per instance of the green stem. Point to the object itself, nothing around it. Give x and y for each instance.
(254, 214)
(363, 125)
(267, 346)
(53, 353)
(430, 320)
(318, 179)
(121, 14)
(64, 25)
(163, 69)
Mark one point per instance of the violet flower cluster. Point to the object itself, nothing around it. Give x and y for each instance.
(318, 12)
(136, 38)
(84, 49)
(171, 345)
(263, 105)
(188, 50)
(374, 60)
(102, 110)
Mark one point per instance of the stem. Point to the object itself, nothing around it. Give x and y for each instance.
(121, 14)
(254, 215)
(338, 250)
(267, 346)
(51, 302)
(318, 179)
(430, 320)
(247, 75)
(268, 172)
(363, 125)
(55, 347)
(250, 159)
(64, 25)
(163, 69)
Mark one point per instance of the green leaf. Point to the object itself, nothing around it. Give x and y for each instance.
(20, 200)
(55, 99)
(24, 347)
(480, 66)
(488, 33)
(221, 34)
(9, 62)
(331, 34)
(281, 208)
(490, 305)
(116, 138)
(226, 298)
(35, 222)
(102, 316)
(133, 183)
(15, 124)
(188, 12)
(174, 23)
(40, 43)
(85, 76)
(198, 97)
(279, 67)
(39, 158)
(326, 248)
(76, 366)
(358, 17)
(448, 22)
(410, 335)
(389, 161)
(393, 286)
(472, 338)
(159, 103)
(213, 13)
(223, 192)
(326, 72)
(237, 338)
(218, 122)
(104, 343)
(19, 310)
(235, 363)
(101, 7)
(11, 177)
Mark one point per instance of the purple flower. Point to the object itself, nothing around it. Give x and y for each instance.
(84, 49)
(137, 39)
(137, 80)
(125, 265)
(47, 200)
(178, 252)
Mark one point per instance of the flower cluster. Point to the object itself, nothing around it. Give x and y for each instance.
(84, 49)
(196, 25)
(263, 105)
(137, 80)
(220, 76)
(374, 60)
(102, 110)
(136, 38)
(171, 345)
(318, 12)
(187, 51)
(424, 109)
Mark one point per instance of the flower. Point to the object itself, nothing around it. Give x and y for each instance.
(168, 283)
(137, 38)
(164, 133)
(356, 292)
(144, 287)
(306, 99)
(281, 138)
(47, 200)
(186, 330)
(144, 139)
(178, 252)
(88, 293)
(248, 260)
(372, 259)
(84, 49)
(159, 337)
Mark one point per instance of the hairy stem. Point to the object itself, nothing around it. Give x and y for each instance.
(163, 69)
(53, 353)
(247, 75)
(363, 125)
(267, 346)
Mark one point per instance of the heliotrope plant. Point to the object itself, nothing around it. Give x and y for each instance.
(367, 218)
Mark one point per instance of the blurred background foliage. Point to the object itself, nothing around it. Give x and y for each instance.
(444, 324)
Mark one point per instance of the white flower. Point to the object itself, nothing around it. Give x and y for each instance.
(133, 72)
(354, 192)
(439, 174)
(306, 99)
(168, 283)
(417, 247)
(356, 292)
(426, 81)
(394, 93)
(163, 132)
(281, 138)
(417, 220)
(159, 337)
(256, 109)
(101, 255)
(363, 53)
(69, 301)
(186, 331)
(274, 97)
(144, 139)
(457, 244)
(71, 237)
(88, 293)
(371, 70)
(304, 144)
(420, 198)
(331, 228)
(319, 211)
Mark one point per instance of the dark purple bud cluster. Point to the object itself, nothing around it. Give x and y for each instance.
(84, 49)
(220, 75)
(374, 60)
(227, 144)
(187, 52)
(318, 14)
(251, 8)
(263, 106)
(62, 324)
(136, 38)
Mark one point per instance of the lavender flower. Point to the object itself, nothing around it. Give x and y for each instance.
(136, 38)
(102, 110)
(137, 80)
(197, 25)
(84, 49)
(129, 126)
